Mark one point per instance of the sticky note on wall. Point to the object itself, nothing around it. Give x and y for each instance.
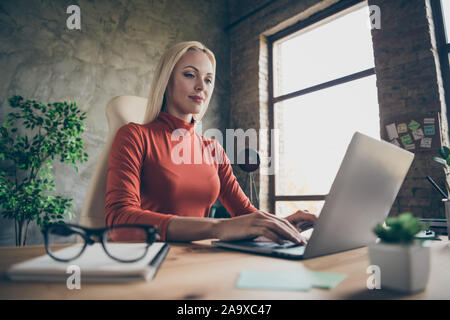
(426, 143)
(429, 130)
(395, 142)
(418, 134)
(402, 128)
(406, 139)
(392, 131)
(413, 125)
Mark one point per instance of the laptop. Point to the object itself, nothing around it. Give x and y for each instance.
(361, 196)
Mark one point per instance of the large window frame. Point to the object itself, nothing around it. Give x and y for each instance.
(318, 17)
(443, 48)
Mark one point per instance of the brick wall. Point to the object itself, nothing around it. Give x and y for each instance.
(408, 81)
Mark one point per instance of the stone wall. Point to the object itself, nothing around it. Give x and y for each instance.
(114, 53)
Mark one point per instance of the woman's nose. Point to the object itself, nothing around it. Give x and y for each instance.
(200, 86)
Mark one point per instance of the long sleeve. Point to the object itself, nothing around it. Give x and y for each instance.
(123, 200)
(146, 186)
(231, 194)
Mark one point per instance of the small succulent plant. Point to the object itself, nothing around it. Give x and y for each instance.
(401, 230)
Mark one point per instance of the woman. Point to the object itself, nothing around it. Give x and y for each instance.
(147, 182)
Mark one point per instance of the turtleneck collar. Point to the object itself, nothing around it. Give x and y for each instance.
(173, 123)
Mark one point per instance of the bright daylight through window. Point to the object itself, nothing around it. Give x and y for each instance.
(315, 118)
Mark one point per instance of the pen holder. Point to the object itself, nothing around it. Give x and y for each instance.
(447, 215)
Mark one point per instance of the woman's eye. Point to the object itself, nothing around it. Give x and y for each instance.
(209, 81)
(189, 75)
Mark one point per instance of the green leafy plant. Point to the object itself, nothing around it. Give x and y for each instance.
(26, 160)
(444, 159)
(401, 229)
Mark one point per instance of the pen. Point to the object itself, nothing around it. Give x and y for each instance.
(437, 187)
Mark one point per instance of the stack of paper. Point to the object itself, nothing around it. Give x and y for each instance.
(94, 265)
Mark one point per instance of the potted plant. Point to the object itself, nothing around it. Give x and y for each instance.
(444, 159)
(26, 161)
(403, 259)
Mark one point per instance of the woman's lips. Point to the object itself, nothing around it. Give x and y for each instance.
(196, 99)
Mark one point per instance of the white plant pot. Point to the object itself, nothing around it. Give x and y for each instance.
(403, 268)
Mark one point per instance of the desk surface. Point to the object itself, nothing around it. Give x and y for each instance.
(200, 271)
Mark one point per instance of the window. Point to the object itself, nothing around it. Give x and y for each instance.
(323, 90)
(441, 18)
(446, 16)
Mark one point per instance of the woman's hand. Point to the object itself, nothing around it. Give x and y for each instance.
(302, 220)
(260, 223)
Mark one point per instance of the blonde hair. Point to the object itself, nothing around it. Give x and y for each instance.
(162, 75)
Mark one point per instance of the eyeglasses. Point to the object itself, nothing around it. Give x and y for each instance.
(137, 237)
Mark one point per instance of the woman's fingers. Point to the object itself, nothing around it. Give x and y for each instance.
(281, 220)
(258, 224)
(280, 229)
(302, 215)
(270, 235)
(302, 220)
(304, 225)
(284, 225)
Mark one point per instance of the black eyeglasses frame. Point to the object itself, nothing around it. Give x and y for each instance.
(87, 235)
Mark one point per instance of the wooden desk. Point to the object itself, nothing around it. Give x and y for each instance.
(200, 271)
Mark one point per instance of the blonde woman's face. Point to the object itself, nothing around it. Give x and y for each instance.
(190, 86)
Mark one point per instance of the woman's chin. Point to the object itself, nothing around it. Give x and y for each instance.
(197, 109)
(193, 108)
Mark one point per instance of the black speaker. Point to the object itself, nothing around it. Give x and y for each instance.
(249, 161)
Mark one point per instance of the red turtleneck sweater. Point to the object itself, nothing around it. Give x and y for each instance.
(154, 175)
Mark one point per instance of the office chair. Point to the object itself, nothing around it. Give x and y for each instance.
(119, 111)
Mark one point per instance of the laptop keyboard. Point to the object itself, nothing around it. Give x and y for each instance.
(272, 245)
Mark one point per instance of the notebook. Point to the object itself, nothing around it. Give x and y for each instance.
(94, 266)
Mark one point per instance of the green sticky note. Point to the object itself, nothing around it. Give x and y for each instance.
(413, 125)
(301, 279)
(406, 139)
(274, 280)
(325, 280)
(429, 130)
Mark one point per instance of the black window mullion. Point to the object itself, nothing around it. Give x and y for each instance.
(312, 197)
(325, 85)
